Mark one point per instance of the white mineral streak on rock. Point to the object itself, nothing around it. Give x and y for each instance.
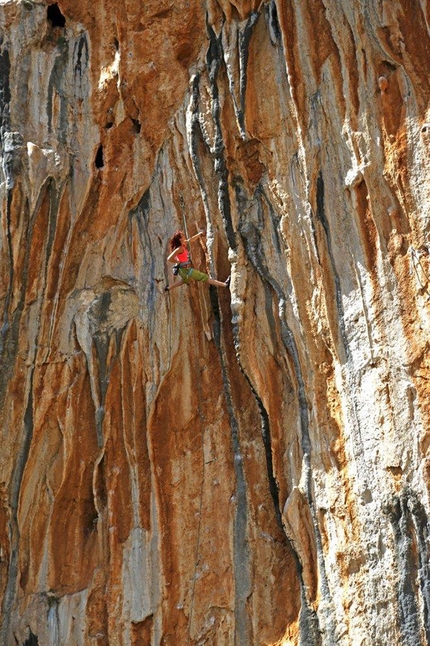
(110, 72)
(353, 177)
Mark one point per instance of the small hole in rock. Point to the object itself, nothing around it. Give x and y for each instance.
(55, 16)
(32, 640)
(99, 162)
(136, 125)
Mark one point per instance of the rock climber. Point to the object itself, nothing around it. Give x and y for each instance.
(180, 256)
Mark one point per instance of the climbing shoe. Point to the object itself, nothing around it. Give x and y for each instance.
(227, 282)
(166, 289)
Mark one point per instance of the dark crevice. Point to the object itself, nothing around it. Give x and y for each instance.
(265, 424)
(99, 161)
(214, 58)
(422, 530)
(54, 15)
(390, 66)
(267, 440)
(251, 239)
(136, 126)
(148, 279)
(244, 40)
(273, 22)
(411, 531)
(320, 206)
(9, 141)
(310, 634)
(254, 252)
(80, 58)
(243, 584)
(309, 628)
(4, 88)
(31, 640)
(321, 216)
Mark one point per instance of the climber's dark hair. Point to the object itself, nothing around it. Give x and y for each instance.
(177, 240)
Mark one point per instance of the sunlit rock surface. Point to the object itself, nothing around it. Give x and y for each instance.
(246, 467)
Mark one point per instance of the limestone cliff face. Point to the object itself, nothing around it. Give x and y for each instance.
(207, 466)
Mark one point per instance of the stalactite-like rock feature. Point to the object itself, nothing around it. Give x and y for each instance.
(246, 466)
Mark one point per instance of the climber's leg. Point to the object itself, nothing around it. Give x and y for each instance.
(176, 284)
(218, 283)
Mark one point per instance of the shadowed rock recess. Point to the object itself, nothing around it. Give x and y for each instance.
(240, 467)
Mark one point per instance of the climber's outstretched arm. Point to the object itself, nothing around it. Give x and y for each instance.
(197, 235)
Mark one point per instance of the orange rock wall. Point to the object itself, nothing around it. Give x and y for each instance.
(207, 466)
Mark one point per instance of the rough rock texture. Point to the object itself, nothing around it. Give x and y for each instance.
(211, 467)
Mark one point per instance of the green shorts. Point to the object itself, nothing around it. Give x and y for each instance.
(188, 272)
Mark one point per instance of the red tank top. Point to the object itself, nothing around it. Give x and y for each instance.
(184, 256)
